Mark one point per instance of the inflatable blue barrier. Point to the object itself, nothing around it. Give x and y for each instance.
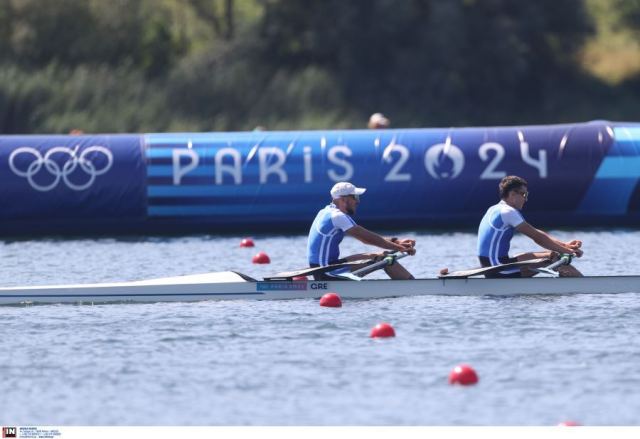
(579, 175)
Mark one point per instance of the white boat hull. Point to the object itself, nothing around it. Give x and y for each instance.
(229, 285)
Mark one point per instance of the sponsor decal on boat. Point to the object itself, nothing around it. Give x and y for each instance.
(279, 286)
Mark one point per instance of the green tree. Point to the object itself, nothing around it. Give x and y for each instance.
(133, 33)
(437, 58)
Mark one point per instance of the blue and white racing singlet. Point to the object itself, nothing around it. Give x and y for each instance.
(496, 230)
(326, 234)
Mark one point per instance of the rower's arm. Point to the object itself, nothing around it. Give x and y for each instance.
(544, 240)
(371, 238)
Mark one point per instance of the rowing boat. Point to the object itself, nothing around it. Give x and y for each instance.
(233, 285)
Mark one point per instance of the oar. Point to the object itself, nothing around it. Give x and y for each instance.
(564, 260)
(310, 271)
(387, 260)
(462, 274)
(323, 269)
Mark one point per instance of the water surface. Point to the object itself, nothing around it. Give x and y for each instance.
(541, 360)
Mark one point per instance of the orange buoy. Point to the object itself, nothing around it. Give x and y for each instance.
(261, 258)
(247, 242)
(382, 330)
(463, 375)
(331, 300)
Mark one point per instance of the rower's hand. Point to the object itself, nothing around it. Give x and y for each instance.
(408, 248)
(575, 247)
(575, 243)
(407, 245)
(407, 242)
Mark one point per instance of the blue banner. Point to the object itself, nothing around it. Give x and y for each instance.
(413, 176)
(578, 174)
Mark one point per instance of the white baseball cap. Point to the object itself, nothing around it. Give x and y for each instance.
(344, 189)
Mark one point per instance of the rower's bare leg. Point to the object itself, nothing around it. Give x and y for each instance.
(398, 272)
(532, 255)
(569, 271)
(526, 272)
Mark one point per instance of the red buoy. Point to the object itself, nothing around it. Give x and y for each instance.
(568, 424)
(382, 330)
(246, 242)
(463, 375)
(331, 300)
(261, 258)
(299, 278)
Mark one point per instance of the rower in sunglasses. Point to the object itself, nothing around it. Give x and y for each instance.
(497, 227)
(334, 221)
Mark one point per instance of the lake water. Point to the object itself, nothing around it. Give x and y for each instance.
(541, 360)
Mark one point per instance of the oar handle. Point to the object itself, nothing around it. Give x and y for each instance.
(565, 259)
(387, 260)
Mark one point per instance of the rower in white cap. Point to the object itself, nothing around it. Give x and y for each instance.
(334, 221)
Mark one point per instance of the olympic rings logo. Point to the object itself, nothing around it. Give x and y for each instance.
(83, 162)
